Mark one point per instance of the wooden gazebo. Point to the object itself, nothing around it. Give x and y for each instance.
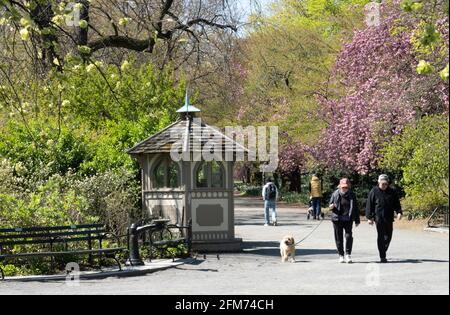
(191, 188)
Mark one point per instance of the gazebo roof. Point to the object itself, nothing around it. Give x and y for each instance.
(191, 132)
(197, 134)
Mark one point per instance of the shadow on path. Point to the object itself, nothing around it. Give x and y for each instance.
(407, 261)
(273, 249)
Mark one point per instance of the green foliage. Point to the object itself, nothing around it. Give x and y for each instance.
(424, 67)
(290, 55)
(41, 144)
(179, 251)
(430, 37)
(421, 153)
(85, 119)
(140, 104)
(295, 198)
(48, 206)
(47, 203)
(63, 144)
(445, 73)
(100, 93)
(248, 190)
(32, 267)
(166, 252)
(112, 197)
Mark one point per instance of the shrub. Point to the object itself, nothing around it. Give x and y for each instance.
(293, 197)
(63, 144)
(249, 190)
(42, 149)
(52, 204)
(113, 197)
(421, 154)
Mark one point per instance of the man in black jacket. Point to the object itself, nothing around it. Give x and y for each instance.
(345, 212)
(382, 204)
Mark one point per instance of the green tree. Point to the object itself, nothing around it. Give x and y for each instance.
(63, 143)
(289, 56)
(49, 30)
(85, 119)
(421, 153)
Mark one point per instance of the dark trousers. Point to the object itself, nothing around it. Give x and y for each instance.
(341, 227)
(385, 232)
(317, 206)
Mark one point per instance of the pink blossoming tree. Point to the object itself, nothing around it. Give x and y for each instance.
(379, 91)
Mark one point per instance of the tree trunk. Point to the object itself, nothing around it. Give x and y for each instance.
(82, 33)
(296, 183)
(42, 15)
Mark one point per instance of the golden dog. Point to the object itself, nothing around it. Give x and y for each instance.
(287, 248)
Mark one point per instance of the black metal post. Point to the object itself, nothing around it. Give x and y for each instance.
(135, 258)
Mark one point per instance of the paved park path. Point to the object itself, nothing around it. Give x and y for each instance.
(420, 265)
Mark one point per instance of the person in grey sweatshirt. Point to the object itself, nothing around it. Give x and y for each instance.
(270, 196)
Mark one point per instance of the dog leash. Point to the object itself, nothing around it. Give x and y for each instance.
(311, 233)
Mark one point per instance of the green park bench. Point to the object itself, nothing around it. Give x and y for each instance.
(38, 242)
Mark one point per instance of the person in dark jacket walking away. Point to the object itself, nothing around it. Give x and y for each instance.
(382, 204)
(270, 197)
(315, 191)
(345, 212)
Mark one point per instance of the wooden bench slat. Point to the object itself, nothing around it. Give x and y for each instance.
(170, 242)
(56, 228)
(64, 235)
(54, 254)
(51, 235)
(55, 241)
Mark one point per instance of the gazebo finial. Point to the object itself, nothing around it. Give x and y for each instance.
(188, 107)
(188, 99)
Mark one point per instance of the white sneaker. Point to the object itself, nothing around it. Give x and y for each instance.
(341, 259)
(348, 259)
(266, 225)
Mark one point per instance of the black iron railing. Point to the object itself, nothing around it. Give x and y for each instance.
(439, 218)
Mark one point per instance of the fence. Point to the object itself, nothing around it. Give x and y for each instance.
(439, 218)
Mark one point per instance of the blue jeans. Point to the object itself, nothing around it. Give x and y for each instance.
(268, 205)
(317, 206)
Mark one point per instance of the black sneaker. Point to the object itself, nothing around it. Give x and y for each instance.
(383, 261)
